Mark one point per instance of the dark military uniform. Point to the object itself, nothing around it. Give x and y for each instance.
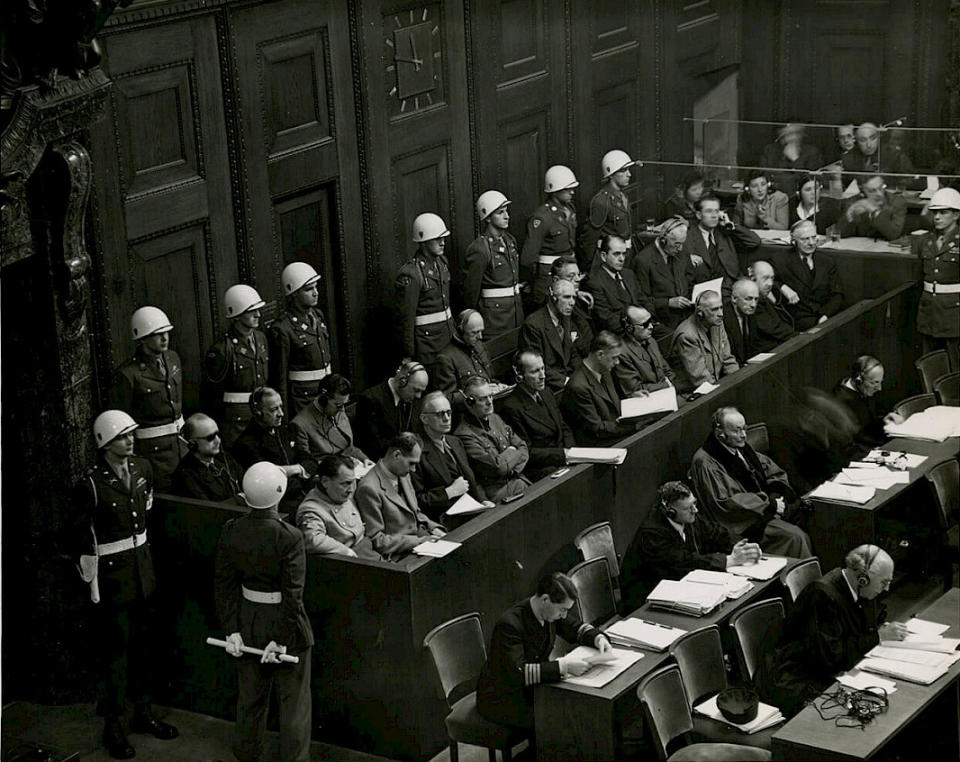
(259, 578)
(277, 446)
(153, 396)
(938, 316)
(609, 215)
(491, 282)
(423, 304)
(117, 513)
(551, 232)
(299, 357)
(235, 366)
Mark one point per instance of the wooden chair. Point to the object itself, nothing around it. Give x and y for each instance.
(458, 653)
(915, 404)
(947, 389)
(595, 601)
(667, 714)
(596, 541)
(944, 480)
(801, 575)
(932, 366)
(758, 437)
(750, 625)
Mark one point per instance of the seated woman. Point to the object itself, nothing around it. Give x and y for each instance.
(761, 208)
(857, 392)
(809, 205)
(683, 202)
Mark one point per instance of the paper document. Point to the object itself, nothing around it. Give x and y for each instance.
(933, 185)
(933, 424)
(465, 505)
(436, 548)
(914, 673)
(924, 627)
(705, 388)
(760, 357)
(639, 633)
(600, 674)
(919, 642)
(861, 681)
(910, 656)
(765, 568)
(361, 469)
(613, 455)
(707, 285)
(880, 478)
(767, 716)
(686, 597)
(660, 401)
(844, 493)
(734, 585)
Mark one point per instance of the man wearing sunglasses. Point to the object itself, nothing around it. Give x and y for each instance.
(642, 368)
(207, 472)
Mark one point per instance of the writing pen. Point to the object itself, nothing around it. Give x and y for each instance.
(655, 624)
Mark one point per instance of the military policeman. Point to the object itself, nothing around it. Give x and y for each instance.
(423, 292)
(237, 363)
(491, 269)
(299, 340)
(110, 537)
(149, 386)
(551, 231)
(260, 571)
(609, 208)
(938, 316)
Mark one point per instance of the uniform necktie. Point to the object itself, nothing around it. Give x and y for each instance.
(125, 475)
(160, 366)
(713, 247)
(620, 282)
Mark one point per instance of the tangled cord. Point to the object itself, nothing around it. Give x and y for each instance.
(857, 708)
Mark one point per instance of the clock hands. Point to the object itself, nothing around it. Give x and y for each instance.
(413, 52)
(415, 61)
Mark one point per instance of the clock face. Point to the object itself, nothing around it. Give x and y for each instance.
(413, 59)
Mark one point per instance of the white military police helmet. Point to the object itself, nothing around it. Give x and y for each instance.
(945, 198)
(264, 485)
(490, 202)
(428, 226)
(296, 275)
(241, 298)
(147, 321)
(613, 161)
(110, 424)
(559, 178)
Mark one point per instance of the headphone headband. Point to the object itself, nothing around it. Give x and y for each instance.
(671, 224)
(406, 370)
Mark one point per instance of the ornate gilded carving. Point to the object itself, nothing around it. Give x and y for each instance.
(71, 271)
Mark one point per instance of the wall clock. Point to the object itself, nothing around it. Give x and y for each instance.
(413, 59)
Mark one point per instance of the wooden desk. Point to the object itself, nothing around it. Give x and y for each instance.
(807, 737)
(577, 722)
(835, 528)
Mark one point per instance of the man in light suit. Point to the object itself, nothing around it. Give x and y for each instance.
(740, 320)
(808, 279)
(551, 332)
(701, 350)
(721, 243)
(641, 369)
(613, 287)
(388, 504)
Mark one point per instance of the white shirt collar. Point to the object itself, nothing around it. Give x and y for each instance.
(679, 528)
(706, 235)
(392, 383)
(853, 590)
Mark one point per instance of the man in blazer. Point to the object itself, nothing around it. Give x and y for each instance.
(740, 319)
(665, 276)
(388, 504)
(532, 412)
(774, 321)
(444, 473)
(719, 242)
(808, 279)
(642, 368)
(591, 402)
(384, 410)
(551, 332)
(613, 288)
(701, 350)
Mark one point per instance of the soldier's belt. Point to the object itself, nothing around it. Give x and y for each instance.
(500, 293)
(941, 288)
(258, 596)
(236, 398)
(152, 432)
(433, 317)
(127, 543)
(548, 259)
(309, 375)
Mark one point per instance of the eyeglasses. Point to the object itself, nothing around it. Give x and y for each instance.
(644, 324)
(442, 413)
(209, 437)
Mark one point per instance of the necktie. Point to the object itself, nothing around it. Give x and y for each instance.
(160, 366)
(125, 475)
(713, 248)
(620, 282)
(808, 258)
(560, 330)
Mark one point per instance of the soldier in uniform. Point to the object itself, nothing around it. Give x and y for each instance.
(299, 340)
(423, 292)
(938, 316)
(149, 386)
(491, 268)
(551, 231)
(609, 207)
(237, 363)
(110, 538)
(260, 572)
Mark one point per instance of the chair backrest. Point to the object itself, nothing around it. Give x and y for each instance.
(665, 706)
(932, 366)
(458, 653)
(699, 654)
(947, 389)
(799, 576)
(595, 600)
(758, 437)
(750, 625)
(945, 480)
(596, 541)
(915, 404)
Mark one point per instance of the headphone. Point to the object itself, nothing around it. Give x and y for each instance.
(669, 226)
(626, 324)
(466, 384)
(669, 512)
(863, 574)
(517, 367)
(406, 370)
(863, 365)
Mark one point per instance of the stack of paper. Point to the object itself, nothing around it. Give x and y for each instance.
(862, 681)
(436, 548)
(639, 633)
(604, 667)
(765, 568)
(909, 664)
(705, 388)
(878, 478)
(733, 585)
(844, 493)
(924, 627)
(933, 424)
(465, 506)
(925, 636)
(767, 716)
(660, 401)
(760, 357)
(686, 597)
(612, 455)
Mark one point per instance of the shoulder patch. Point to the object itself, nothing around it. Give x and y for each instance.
(404, 280)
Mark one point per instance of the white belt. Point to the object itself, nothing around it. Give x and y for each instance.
(256, 596)
(433, 317)
(500, 293)
(548, 259)
(941, 288)
(128, 543)
(308, 375)
(236, 398)
(629, 242)
(152, 432)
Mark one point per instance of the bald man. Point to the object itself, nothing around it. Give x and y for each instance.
(642, 368)
(870, 156)
(388, 408)
(740, 319)
(830, 628)
(551, 332)
(774, 321)
(207, 471)
(700, 351)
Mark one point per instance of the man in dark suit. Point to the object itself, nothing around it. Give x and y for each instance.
(613, 288)
(383, 411)
(591, 402)
(774, 321)
(444, 473)
(464, 356)
(876, 214)
(665, 276)
(740, 320)
(532, 413)
(808, 279)
(719, 242)
(551, 332)
(641, 369)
